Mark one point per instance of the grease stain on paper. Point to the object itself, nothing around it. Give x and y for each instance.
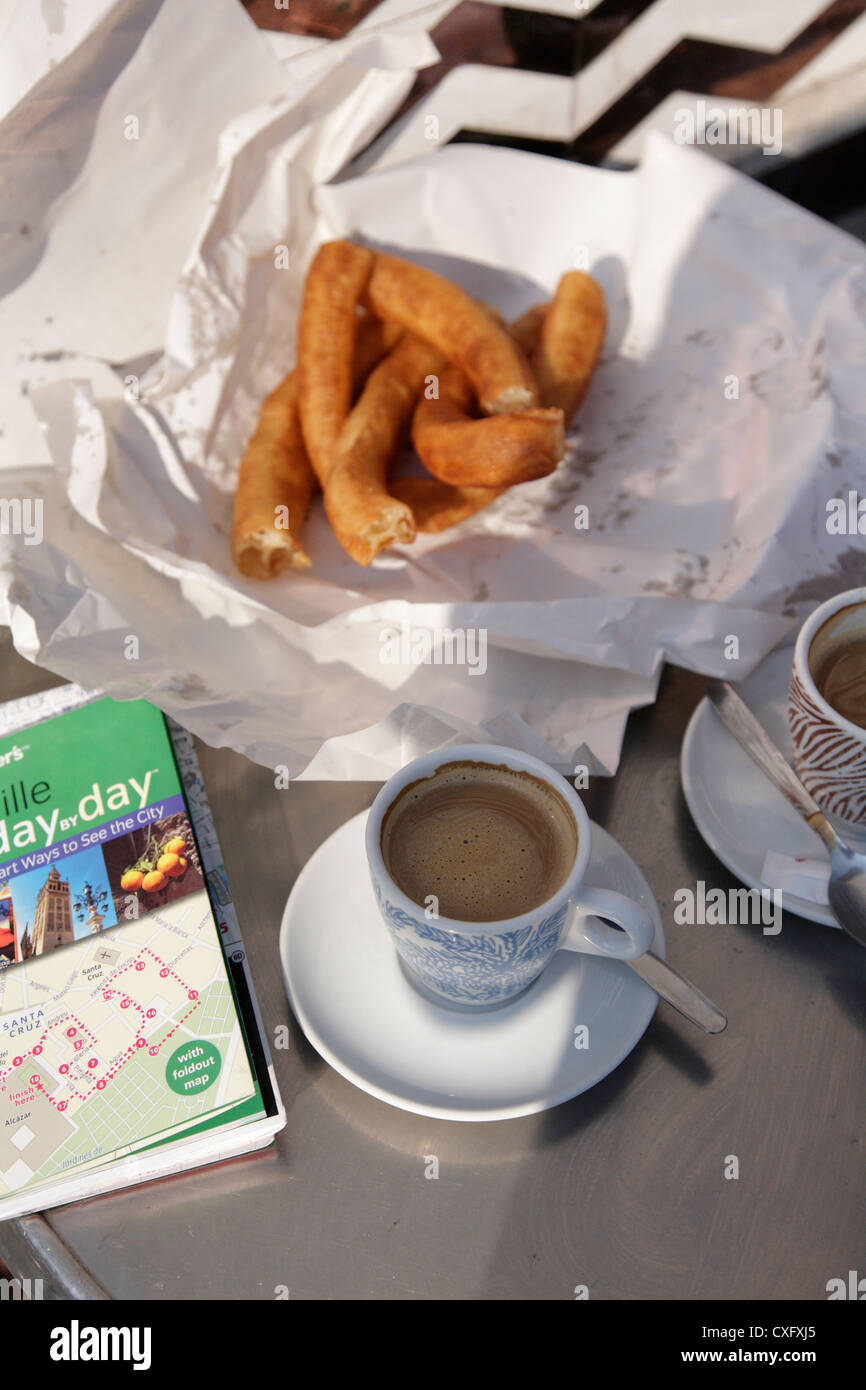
(849, 572)
(54, 15)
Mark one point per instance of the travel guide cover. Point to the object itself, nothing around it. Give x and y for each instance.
(119, 1026)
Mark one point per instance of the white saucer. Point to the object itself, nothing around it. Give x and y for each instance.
(737, 810)
(360, 1013)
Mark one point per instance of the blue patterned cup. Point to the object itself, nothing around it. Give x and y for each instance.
(480, 965)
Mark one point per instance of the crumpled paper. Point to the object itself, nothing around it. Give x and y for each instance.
(724, 414)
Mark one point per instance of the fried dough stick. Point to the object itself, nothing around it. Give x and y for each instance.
(364, 514)
(496, 451)
(527, 329)
(327, 329)
(462, 329)
(437, 506)
(276, 474)
(571, 339)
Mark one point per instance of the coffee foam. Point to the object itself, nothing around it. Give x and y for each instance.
(487, 842)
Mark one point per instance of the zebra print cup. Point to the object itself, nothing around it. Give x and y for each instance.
(829, 751)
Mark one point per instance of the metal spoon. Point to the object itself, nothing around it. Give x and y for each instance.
(847, 888)
(679, 992)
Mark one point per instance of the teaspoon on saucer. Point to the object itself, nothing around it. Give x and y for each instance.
(679, 992)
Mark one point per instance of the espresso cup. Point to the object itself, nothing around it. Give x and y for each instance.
(480, 964)
(829, 751)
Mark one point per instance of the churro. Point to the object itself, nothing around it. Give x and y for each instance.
(327, 331)
(274, 488)
(437, 506)
(365, 515)
(495, 451)
(276, 479)
(461, 328)
(571, 338)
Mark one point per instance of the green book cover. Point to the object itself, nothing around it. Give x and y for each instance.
(118, 1023)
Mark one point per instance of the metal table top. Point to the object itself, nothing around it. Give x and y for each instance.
(622, 1189)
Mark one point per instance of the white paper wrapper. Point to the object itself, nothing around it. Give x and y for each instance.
(726, 411)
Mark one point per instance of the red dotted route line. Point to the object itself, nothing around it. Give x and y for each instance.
(126, 1002)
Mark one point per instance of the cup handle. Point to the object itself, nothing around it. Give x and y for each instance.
(594, 938)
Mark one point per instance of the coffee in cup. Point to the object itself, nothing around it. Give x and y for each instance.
(841, 678)
(486, 842)
(478, 856)
(827, 711)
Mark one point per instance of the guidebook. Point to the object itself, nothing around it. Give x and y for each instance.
(130, 1040)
